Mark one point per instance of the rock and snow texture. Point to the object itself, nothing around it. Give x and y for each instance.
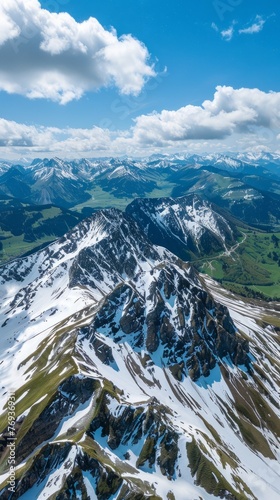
(188, 225)
(132, 382)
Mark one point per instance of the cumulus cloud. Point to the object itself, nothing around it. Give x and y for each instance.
(256, 27)
(231, 111)
(243, 116)
(52, 139)
(50, 55)
(13, 134)
(9, 29)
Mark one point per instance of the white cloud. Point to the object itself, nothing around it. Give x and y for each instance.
(52, 139)
(13, 134)
(231, 111)
(49, 55)
(9, 29)
(215, 27)
(233, 119)
(228, 33)
(256, 27)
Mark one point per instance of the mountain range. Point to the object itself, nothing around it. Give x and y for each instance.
(135, 377)
(248, 186)
(243, 189)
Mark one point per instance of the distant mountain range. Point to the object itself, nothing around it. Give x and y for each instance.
(246, 185)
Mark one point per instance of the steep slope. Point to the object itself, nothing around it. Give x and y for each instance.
(54, 182)
(188, 226)
(13, 183)
(242, 258)
(125, 178)
(131, 381)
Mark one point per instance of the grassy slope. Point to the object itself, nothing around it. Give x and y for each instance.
(253, 267)
(26, 228)
(14, 246)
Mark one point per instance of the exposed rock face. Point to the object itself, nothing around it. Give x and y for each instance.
(74, 462)
(188, 226)
(151, 427)
(176, 315)
(50, 457)
(121, 253)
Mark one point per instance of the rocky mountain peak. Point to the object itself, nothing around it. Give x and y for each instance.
(132, 381)
(188, 226)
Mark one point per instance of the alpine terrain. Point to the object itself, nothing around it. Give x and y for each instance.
(188, 226)
(136, 378)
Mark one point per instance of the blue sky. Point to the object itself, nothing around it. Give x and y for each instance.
(136, 79)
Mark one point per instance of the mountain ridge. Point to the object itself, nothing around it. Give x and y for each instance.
(188, 226)
(145, 374)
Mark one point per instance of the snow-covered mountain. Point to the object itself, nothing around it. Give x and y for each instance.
(231, 160)
(245, 191)
(259, 158)
(4, 166)
(56, 182)
(126, 177)
(188, 226)
(43, 170)
(226, 163)
(67, 183)
(132, 382)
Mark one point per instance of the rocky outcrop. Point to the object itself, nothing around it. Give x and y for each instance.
(176, 314)
(129, 426)
(50, 457)
(74, 462)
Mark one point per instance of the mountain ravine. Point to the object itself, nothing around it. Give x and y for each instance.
(132, 379)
